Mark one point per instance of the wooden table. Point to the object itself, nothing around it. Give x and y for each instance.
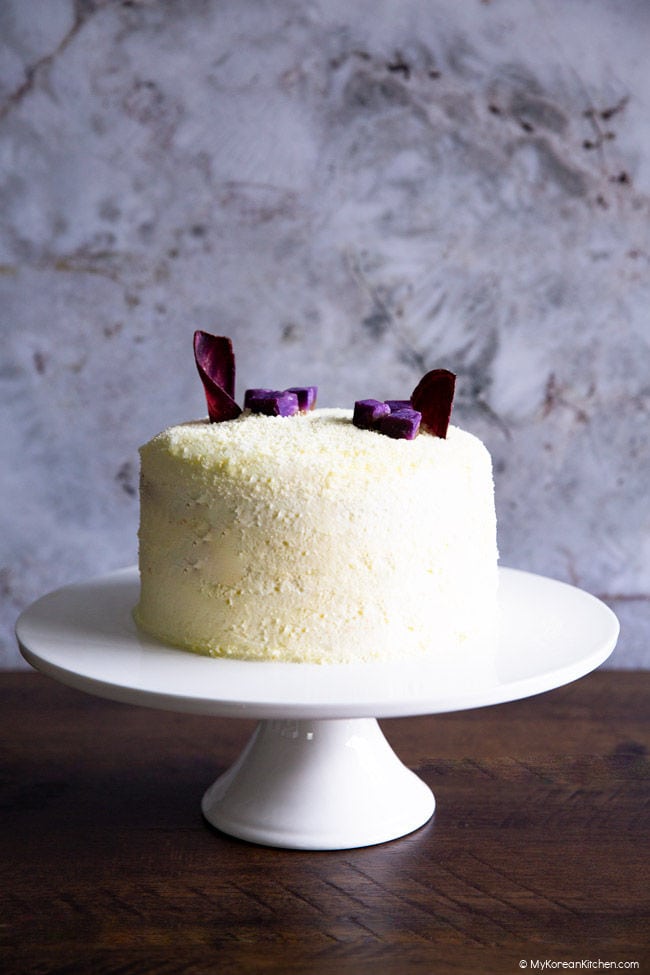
(538, 849)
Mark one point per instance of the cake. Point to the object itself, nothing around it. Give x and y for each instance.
(314, 536)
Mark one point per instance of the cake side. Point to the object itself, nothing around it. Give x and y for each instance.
(305, 538)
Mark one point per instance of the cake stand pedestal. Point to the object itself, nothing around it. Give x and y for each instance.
(318, 785)
(318, 773)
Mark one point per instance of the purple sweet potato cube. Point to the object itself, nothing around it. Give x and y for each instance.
(306, 396)
(274, 403)
(367, 412)
(251, 395)
(399, 404)
(287, 403)
(400, 425)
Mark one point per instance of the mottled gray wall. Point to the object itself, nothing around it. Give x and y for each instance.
(356, 192)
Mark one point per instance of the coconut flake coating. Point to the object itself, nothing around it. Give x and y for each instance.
(305, 538)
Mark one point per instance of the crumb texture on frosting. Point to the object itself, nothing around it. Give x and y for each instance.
(305, 538)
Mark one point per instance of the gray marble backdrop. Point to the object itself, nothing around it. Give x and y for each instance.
(356, 191)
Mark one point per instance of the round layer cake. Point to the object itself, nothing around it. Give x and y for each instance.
(305, 538)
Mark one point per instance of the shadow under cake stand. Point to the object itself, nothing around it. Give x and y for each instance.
(318, 773)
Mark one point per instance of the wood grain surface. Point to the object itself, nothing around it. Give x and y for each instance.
(538, 850)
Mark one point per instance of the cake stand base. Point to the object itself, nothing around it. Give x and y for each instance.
(318, 785)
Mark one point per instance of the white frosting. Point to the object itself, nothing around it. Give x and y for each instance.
(306, 539)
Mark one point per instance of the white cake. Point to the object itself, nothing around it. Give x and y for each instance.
(305, 538)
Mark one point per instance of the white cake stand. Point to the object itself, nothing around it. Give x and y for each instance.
(318, 774)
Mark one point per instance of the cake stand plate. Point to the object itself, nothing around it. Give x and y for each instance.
(318, 773)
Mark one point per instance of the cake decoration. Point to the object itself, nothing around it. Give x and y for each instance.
(394, 418)
(281, 402)
(400, 424)
(215, 361)
(253, 394)
(367, 412)
(274, 402)
(429, 406)
(306, 396)
(433, 397)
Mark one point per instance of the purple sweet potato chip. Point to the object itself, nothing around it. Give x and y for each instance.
(433, 397)
(215, 361)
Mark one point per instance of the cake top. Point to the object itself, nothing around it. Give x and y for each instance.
(320, 442)
(280, 433)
